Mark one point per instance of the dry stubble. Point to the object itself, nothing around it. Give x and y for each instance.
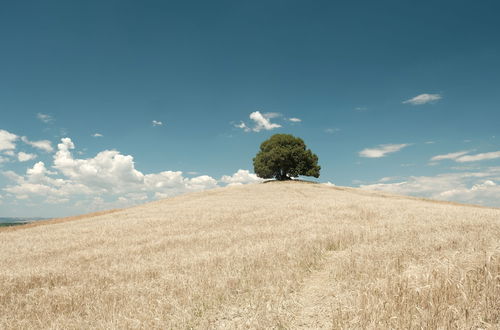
(281, 255)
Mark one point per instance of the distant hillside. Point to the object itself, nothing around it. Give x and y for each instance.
(282, 255)
(4, 221)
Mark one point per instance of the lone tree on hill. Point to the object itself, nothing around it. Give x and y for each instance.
(284, 156)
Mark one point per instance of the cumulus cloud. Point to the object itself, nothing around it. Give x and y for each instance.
(479, 157)
(37, 182)
(24, 157)
(108, 170)
(262, 121)
(423, 99)
(171, 183)
(381, 150)
(477, 187)
(97, 135)
(240, 177)
(44, 117)
(156, 123)
(44, 145)
(109, 179)
(7, 140)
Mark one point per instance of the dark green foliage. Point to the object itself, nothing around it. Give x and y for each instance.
(284, 156)
(9, 224)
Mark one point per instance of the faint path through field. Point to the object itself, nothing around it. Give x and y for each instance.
(315, 297)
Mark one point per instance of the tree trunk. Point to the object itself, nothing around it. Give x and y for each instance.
(282, 176)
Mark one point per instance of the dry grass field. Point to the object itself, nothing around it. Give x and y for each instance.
(277, 255)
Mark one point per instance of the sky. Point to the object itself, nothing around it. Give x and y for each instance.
(108, 104)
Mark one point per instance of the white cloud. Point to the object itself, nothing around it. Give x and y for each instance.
(10, 153)
(156, 123)
(97, 135)
(243, 126)
(38, 183)
(462, 156)
(295, 120)
(7, 140)
(107, 180)
(480, 187)
(171, 183)
(331, 130)
(478, 157)
(44, 117)
(240, 177)
(381, 150)
(262, 122)
(453, 155)
(108, 170)
(270, 115)
(38, 171)
(24, 157)
(423, 99)
(387, 179)
(44, 145)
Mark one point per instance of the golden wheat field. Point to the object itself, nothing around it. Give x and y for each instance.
(278, 255)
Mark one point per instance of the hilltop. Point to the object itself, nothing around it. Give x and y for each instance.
(287, 254)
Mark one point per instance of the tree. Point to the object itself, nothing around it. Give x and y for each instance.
(284, 156)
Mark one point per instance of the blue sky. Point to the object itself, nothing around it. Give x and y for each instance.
(401, 96)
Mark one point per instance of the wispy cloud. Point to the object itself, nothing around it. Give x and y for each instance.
(157, 123)
(295, 120)
(262, 121)
(381, 150)
(331, 130)
(44, 145)
(423, 99)
(97, 135)
(44, 117)
(452, 155)
(468, 187)
(463, 157)
(243, 126)
(479, 157)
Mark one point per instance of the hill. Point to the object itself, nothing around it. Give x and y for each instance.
(6, 222)
(289, 255)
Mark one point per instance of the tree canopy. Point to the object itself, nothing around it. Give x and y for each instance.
(284, 156)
